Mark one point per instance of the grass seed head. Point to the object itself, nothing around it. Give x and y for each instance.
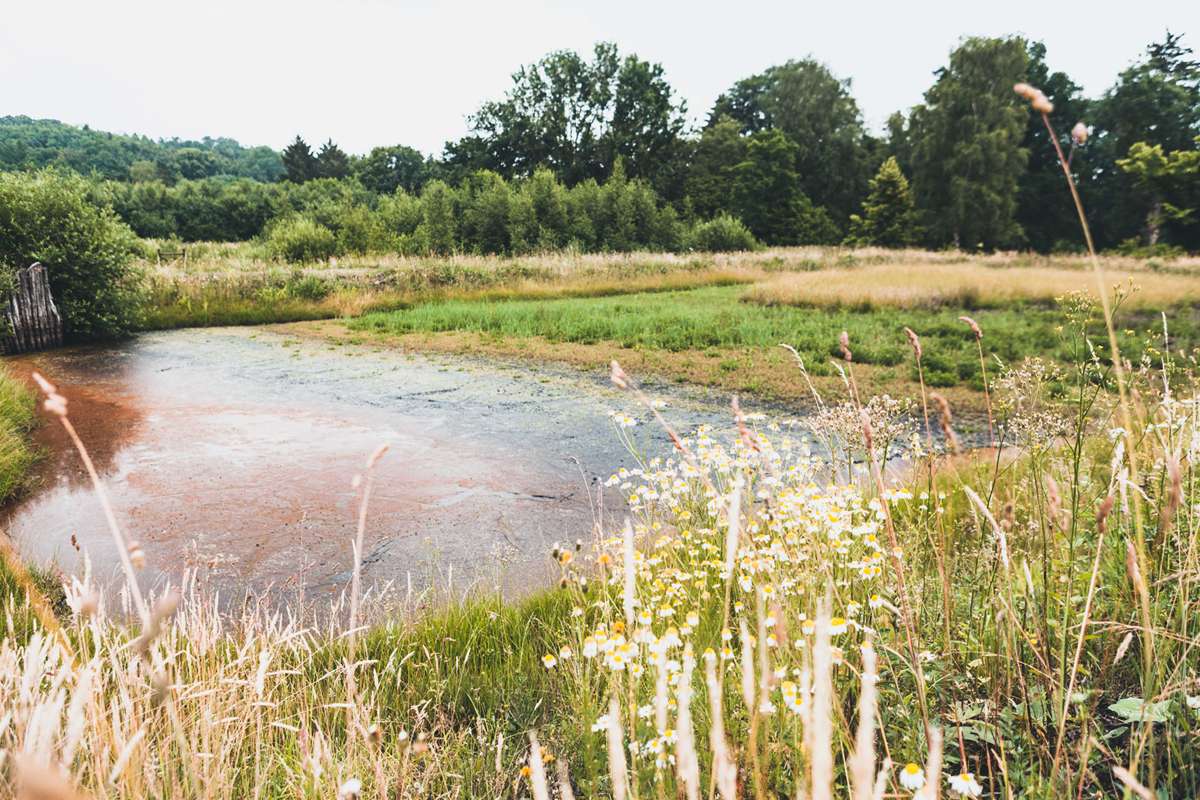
(914, 341)
(973, 325)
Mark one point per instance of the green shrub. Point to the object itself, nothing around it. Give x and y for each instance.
(307, 287)
(722, 234)
(300, 239)
(56, 218)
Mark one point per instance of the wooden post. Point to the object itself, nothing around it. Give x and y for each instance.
(33, 320)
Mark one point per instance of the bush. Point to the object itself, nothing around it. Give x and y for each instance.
(300, 239)
(722, 234)
(56, 218)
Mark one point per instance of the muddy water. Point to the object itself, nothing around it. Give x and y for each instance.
(231, 452)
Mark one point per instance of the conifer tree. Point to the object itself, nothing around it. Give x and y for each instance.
(332, 161)
(299, 161)
(889, 218)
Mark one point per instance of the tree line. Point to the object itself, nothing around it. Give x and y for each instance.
(785, 152)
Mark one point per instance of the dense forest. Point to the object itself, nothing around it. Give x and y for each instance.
(594, 151)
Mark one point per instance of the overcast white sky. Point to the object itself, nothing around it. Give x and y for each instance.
(372, 72)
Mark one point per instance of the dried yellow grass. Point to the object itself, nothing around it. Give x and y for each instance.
(976, 284)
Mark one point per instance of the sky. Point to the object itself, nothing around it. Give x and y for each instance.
(381, 72)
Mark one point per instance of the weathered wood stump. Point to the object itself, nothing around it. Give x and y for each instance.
(32, 320)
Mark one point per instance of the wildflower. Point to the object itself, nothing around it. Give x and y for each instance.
(601, 724)
(912, 777)
(589, 647)
(875, 602)
(964, 784)
(1079, 134)
(550, 661)
(837, 625)
(564, 653)
(350, 790)
(137, 556)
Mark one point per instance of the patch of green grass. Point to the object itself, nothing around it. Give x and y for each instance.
(20, 620)
(238, 311)
(16, 419)
(702, 319)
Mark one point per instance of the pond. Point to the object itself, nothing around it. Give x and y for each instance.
(231, 452)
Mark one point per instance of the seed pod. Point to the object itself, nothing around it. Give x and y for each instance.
(1102, 513)
(618, 376)
(1042, 104)
(914, 341)
(1025, 90)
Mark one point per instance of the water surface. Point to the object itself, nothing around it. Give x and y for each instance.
(231, 452)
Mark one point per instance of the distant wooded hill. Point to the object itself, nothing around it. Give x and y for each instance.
(27, 143)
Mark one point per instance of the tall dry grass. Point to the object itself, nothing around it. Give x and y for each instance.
(917, 284)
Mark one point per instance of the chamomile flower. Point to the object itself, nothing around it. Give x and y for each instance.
(912, 777)
(965, 785)
(549, 661)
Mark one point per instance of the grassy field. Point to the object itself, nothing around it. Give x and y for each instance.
(716, 337)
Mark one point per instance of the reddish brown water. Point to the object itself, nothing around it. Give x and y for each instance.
(232, 452)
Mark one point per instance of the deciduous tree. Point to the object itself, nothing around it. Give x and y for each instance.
(576, 117)
(967, 157)
(815, 109)
(768, 197)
